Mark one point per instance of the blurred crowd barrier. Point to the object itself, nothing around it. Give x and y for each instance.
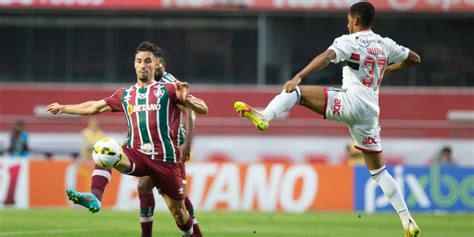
(416, 124)
(262, 186)
(405, 112)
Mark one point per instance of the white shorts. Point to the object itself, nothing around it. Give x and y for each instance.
(362, 118)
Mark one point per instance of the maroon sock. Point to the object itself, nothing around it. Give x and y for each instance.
(147, 206)
(196, 231)
(100, 178)
(147, 228)
(187, 226)
(190, 208)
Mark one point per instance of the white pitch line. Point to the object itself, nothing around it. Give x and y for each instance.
(35, 232)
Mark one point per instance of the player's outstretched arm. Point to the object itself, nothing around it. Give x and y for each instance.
(412, 60)
(86, 108)
(196, 104)
(318, 63)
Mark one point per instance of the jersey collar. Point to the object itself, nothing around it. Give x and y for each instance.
(152, 84)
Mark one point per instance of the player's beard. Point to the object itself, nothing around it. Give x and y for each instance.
(143, 77)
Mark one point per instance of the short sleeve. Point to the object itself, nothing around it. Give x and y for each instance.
(171, 88)
(396, 53)
(342, 47)
(115, 100)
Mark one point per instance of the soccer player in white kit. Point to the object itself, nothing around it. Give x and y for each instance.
(366, 57)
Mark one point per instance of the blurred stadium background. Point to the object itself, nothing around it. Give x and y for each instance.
(70, 51)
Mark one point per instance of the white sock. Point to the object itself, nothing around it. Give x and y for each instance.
(281, 103)
(392, 192)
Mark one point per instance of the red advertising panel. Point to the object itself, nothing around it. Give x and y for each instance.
(411, 113)
(266, 5)
(211, 186)
(50, 179)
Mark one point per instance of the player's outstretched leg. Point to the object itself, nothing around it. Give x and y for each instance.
(281, 103)
(88, 200)
(246, 111)
(412, 229)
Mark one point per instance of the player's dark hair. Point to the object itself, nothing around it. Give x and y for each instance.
(147, 46)
(161, 57)
(365, 11)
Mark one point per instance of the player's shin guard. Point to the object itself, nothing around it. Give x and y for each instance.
(281, 103)
(100, 178)
(190, 209)
(392, 192)
(187, 228)
(147, 207)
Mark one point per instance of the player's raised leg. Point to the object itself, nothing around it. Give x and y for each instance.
(100, 176)
(391, 190)
(247, 111)
(312, 97)
(85, 199)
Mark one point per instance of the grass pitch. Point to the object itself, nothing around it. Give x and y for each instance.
(75, 223)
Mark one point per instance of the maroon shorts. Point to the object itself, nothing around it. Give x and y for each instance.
(166, 176)
(183, 171)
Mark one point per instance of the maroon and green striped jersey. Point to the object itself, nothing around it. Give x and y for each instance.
(153, 118)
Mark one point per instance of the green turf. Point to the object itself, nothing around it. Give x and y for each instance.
(73, 223)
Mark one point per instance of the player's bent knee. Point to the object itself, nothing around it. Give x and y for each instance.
(124, 165)
(313, 97)
(145, 185)
(179, 215)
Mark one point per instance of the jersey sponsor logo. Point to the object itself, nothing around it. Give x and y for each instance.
(139, 108)
(337, 106)
(130, 109)
(369, 141)
(366, 42)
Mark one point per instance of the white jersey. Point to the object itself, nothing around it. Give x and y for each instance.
(366, 55)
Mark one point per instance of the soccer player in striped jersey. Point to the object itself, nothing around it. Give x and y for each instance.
(366, 56)
(145, 184)
(152, 112)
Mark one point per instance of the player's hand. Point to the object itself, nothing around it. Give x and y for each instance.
(182, 90)
(55, 108)
(185, 152)
(290, 85)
